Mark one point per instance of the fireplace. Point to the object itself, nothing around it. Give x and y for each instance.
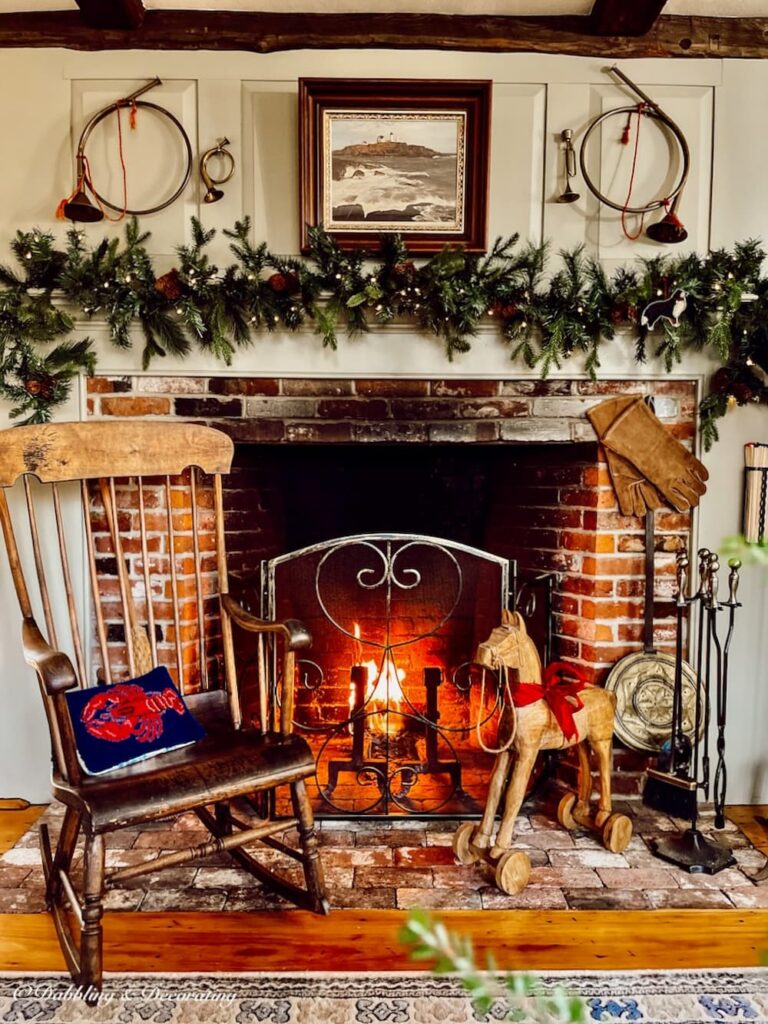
(508, 467)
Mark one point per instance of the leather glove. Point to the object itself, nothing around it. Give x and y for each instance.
(635, 494)
(627, 427)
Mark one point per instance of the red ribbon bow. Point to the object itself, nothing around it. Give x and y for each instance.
(560, 687)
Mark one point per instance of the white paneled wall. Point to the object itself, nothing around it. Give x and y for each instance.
(45, 96)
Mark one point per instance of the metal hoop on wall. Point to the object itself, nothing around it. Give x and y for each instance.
(677, 134)
(146, 105)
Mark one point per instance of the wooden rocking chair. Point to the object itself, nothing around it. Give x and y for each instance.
(154, 550)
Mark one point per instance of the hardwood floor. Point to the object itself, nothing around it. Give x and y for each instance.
(367, 940)
(753, 822)
(16, 816)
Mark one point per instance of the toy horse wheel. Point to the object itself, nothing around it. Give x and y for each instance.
(617, 833)
(462, 841)
(565, 812)
(512, 872)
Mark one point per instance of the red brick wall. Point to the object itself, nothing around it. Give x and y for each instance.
(189, 584)
(555, 510)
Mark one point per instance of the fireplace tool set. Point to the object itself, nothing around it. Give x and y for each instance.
(683, 769)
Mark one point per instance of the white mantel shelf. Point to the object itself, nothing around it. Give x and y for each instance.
(395, 350)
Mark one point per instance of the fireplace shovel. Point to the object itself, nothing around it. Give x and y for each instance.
(674, 790)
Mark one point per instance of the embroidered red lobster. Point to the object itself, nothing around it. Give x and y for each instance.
(124, 710)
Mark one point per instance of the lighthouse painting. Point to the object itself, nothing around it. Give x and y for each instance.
(395, 156)
(394, 169)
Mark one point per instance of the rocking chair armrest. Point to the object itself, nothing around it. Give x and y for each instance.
(54, 667)
(296, 634)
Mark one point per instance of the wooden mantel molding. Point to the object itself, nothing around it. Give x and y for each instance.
(265, 33)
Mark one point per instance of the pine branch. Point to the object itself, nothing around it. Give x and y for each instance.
(163, 334)
(711, 409)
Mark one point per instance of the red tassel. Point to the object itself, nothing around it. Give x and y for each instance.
(60, 209)
(132, 116)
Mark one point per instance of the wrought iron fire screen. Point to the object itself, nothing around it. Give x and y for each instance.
(387, 699)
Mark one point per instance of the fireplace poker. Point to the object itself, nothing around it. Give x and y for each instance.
(721, 774)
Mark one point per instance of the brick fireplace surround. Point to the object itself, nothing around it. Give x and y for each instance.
(557, 507)
(556, 510)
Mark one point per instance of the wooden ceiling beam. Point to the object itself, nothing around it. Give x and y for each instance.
(112, 14)
(619, 18)
(267, 33)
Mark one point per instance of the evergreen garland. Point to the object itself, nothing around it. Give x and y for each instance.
(544, 322)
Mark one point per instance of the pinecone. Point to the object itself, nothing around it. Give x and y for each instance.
(505, 310)
(623, 313)
(721, 382)
(743, 393)
(286, 284)
(41, 386)
(169, 285)
(404, 272)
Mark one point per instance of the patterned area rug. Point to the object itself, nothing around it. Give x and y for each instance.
(693, 997)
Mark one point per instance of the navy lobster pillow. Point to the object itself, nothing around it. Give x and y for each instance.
(121, 723)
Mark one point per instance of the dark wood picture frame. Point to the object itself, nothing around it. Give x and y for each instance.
(386, 166)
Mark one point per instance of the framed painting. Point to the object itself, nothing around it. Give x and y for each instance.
(384, 156)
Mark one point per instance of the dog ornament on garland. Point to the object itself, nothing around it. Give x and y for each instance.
(670, 309)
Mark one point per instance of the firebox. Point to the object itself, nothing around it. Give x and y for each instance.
(399, 718)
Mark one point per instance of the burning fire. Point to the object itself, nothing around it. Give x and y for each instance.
(383, 690)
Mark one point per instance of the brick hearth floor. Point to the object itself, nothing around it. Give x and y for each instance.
(405, 863)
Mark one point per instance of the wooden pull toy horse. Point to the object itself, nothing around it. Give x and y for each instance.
(551, 713)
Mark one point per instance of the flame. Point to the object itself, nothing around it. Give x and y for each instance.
(383, 691)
